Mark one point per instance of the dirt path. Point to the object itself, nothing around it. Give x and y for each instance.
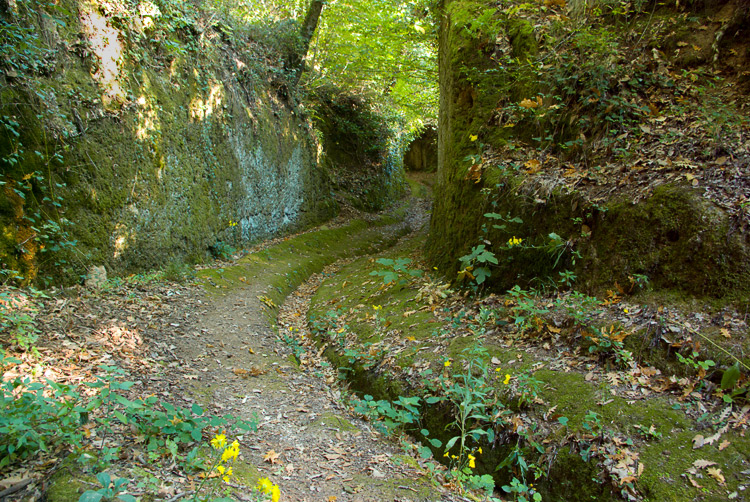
(218, 346)
(307, 441)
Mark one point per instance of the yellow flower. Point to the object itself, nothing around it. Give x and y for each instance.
(446, 454)
(514, 241)
(473, 137)
(219, 441)
(220, 469)
(447, 363)
(472, 458)
(625, 310)
(377, 307)
(480, 450)
(231, 452)
(227, 475)
(498, 370)
(265, 486)
(507, 379)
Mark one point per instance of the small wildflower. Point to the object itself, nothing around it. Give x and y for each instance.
(231, 452)
(227, 475)
(219, 441)
(265, 486)
(498, 370)
(514, 241)
(480, 450)
(377, 307)
(507, 379)
(473, 137)
(447, 363)
(625, 310)
(446, 455)
(472, 458)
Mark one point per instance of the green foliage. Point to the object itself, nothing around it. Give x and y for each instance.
(383, 49)
(177, 271)
(112, 489)
(477, 413)
(475, 265)
(18, 309)
(36, 417)
(222, 251)
(389, 416)
(693, 362)
(397, 271)
(522, 492)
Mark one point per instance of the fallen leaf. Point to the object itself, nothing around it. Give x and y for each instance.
(698, 441)
(532, 165)
(725, 333)
(271, 457)
(716, 474)
(702, 464)
(724, 444)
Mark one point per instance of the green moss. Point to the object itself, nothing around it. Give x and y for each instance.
(69, 482)
(332, 420)
(165, 175)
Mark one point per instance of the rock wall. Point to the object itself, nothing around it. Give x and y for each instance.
(421, 155)
(157, 135)
(670, 233)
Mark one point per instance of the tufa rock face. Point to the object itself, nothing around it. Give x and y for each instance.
(162, 150)
(675, 237)
(421, 155)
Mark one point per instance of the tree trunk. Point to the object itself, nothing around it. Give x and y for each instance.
(306, 34)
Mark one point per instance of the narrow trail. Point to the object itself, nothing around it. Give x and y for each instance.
(307, 442)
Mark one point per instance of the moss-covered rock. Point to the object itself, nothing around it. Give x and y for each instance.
(159, 140)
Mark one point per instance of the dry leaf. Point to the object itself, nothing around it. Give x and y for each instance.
(702, 464)
(271, 457)
(724, 444)
(716, 474)
(698, 441)
(532, 165)
(725, 333)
